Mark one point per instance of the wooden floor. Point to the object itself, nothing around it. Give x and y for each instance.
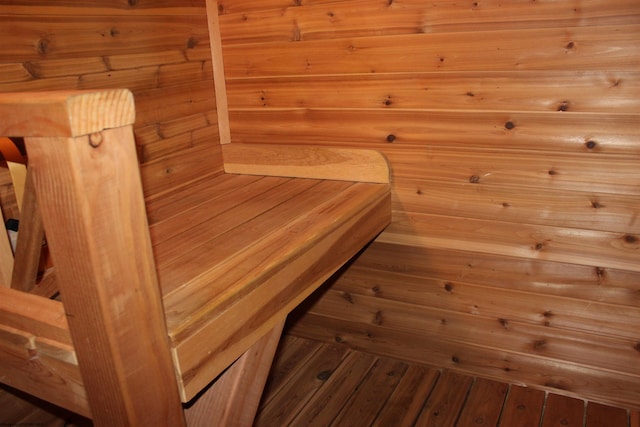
(319, 384)
(328, 385)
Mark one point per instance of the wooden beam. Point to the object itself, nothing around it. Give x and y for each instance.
(219, 79)
(90, 195)
(232, 401)
(29, 246)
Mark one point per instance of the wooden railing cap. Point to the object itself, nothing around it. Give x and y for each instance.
(64, 113)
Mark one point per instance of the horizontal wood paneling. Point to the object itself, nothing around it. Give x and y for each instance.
(549, 279)
(159, 50)
(578, 92)
(587, 210)
(280, 21)
(574, 133)
(580, 48)
(512, 131)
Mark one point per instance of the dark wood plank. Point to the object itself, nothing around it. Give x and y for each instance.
(327, 402)
(599, 415)
(563, 411)
(446, 402)
(303, 384)
(292, 355)
(371, 395)
(523, 407)
(406, 402)
(484, 403)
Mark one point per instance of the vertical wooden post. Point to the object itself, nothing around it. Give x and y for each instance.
(233, 400)
(89, 191)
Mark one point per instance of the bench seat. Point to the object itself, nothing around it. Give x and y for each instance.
(236, 253)
(161, 296)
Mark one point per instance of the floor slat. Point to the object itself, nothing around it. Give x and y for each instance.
(563, 411)
(361, 389)
(523, 407)
(447, 400)
(599, 415)
(406, 402)
(484, 403)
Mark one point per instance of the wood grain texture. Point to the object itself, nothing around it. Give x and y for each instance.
(37, 354)
(65, 114)
(248, 282)
(306, 162)
(106, 290)
(514, 170)
(232, 400)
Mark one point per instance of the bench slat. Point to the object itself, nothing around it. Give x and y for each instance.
(220, 312)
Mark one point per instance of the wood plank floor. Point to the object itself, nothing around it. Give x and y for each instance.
(319, 384)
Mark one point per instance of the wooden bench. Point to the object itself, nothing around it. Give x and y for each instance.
(161, 298)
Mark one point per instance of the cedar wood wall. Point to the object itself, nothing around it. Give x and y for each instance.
(512, 129)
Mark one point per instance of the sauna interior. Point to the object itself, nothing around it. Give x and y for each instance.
(512, 129)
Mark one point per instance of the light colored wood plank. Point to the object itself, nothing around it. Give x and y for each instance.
(234, 397)
(172, 102)
(39, 316)
(79, 36)
(504, 50)
(586, 210)
(523, 407)
(394, 129)
(484, 403)
(192, 196)
(318, 20)
(6, 260)
(563, 411)
(406, 402)
(92, 8)
(43, 369)
(167, 173)
(306, 162)
(498, 303)
(106, 289)
(533, 91)
(218, 71)
(213, 238)
(557, 279)
(574, 246)
(472, 327)
(599, 415)
(65, 114)
(263, 290)
(447, 400)
(30, 239)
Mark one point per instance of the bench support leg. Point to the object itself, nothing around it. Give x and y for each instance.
(232, 401)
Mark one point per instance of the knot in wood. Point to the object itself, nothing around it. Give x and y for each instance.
(95, 139)
(591, 144)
